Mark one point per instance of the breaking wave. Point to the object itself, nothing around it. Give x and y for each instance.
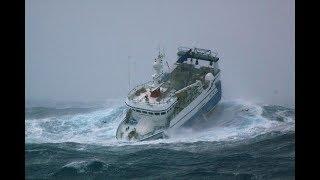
(229, 121)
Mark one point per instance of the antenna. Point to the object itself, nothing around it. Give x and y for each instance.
(159, 49)
(129, 71)
(168, 65)
(134, 71)
(163, 52)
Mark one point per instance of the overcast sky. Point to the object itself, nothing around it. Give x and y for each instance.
(77, 50)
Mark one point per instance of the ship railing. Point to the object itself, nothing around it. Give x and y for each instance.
(132, 91)
(199, 51)
(167, 101)
(131, 95)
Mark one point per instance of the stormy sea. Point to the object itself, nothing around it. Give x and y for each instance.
(236, 140)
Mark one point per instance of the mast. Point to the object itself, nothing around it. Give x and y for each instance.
(129, 72)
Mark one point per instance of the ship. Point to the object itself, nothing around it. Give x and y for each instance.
(185, 92)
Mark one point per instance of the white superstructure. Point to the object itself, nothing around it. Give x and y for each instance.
(173, 98)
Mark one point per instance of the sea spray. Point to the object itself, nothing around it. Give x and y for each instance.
(231, 120)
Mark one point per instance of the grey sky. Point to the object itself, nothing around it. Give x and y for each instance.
(77, 50)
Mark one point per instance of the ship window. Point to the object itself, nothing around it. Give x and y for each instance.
(150, 113)
(144, 112)
(157, 113)
(162, 113)
(138, 111)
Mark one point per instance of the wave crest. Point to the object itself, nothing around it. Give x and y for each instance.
(230, 120)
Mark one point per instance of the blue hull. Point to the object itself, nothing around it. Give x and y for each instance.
(207, 107)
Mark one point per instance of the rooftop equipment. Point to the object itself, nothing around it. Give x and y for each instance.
(196, 53)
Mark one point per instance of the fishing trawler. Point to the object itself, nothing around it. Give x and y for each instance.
(172, 98)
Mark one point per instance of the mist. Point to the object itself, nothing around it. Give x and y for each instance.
(81, 50)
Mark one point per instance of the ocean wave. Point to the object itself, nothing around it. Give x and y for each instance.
(262, 157)
(80, 167)
(229, 121)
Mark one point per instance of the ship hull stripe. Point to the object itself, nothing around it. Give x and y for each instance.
(207, 107)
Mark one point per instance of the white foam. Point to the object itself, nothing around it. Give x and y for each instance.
(93, 127)
(238, 120)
